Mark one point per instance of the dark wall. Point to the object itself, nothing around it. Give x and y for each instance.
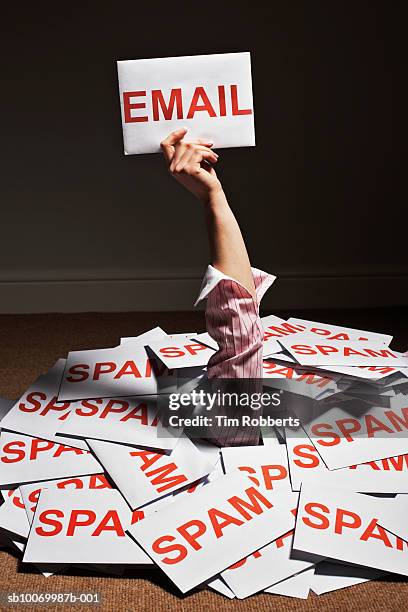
(322, 193)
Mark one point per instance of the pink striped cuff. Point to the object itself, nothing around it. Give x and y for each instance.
(233, 321)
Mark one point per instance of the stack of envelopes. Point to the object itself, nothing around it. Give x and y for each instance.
(91, 475)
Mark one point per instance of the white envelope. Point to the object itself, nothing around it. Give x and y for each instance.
(13, 517)
(383, 476)
(26, 459)
(143, 476)
(308, 351)
(190, 549)
(177, 354)
(338, 332)
(111, 372)
(5, 407)
(267, 566)
(343, 438)
(343, 525)
(206, 339)
(365, 372)
(296, 586)
(128, 420)
(30, 493)
(46, 570)
(394, 517)
(82, 526)
(308, 382)
(330, 576)
(37, 413)
(270, 347)
(211, 95)
(266, 466)
(220, 587)
(143, 339)
(275, 327)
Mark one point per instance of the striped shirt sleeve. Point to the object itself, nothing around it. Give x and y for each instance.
(233, 321)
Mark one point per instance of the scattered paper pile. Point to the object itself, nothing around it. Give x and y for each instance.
(91, 477)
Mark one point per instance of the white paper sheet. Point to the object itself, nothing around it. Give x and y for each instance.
(211, 95)
(128, 420)
(143, 476)
(343, 525)
(26, 459)
(82, 526)
(38, 413)
(191, 549)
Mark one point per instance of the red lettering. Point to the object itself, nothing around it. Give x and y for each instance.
(39, 446)
(129, 368)
(255, 498)
(381, 535)
(9, 448)
(103, 368)
(199, 94)
(31, 399)
(116, 526)
(346, 431)
(122, 406)
(162, 479)
(74, 520)
(78, 372)
(159, 549)
(334, 438)
(167, 110)
(396, 420)
(312, 458)
(311, 508)
(191, 537)
(218, 526)
(88, 408)
(128, 107)
(234, 103)
(340, 522)
(46, 519)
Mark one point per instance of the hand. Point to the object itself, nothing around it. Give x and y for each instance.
(190, 164)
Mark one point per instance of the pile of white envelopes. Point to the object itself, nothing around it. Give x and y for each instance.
(91, 476)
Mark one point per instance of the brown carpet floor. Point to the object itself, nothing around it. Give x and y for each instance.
(30, 344)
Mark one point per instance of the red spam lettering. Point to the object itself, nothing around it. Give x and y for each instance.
(192, 530)
(308, 456)
(318, 516)
(269, 474)
(347, 351)
(369, 425)
(79, 519)
(34, 402)
(15, 498)
(174, 351)
(144, 369)
(289, 373)
(162, 477)
(17, 450)
(283, 329)
(102, 409)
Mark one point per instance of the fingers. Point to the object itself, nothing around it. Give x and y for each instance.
(184, 152)
(206, 143)
(168, 144)
(191, 160)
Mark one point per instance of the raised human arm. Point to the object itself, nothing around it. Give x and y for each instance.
(191, 163)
